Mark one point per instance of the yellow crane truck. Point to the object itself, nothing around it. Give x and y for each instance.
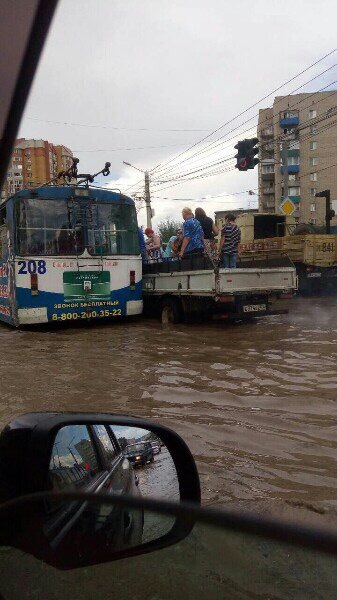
(264, 236)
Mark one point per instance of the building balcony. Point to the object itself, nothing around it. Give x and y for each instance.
(291, 169)
(268, 176)
(289, 122)
(269, 147)
(293, 152)
(289, 118)
(268, 190)
(294, 145)
(267, 132)
(267, 161)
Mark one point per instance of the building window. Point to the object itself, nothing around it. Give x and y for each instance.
(313, 145)
(313, 129)
(313, 221)
(312, 161)
(313, 191)
(293, 160)
(312, 114)
(313, 176)
(313, 207)
(294, 191)
(292, 176)
(267, 169)
(288, 114)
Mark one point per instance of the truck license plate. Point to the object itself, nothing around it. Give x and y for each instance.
(254, 308)
(314, 274)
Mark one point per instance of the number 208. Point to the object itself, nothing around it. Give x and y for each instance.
(32, 266)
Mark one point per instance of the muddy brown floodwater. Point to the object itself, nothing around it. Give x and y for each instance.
(256, 403)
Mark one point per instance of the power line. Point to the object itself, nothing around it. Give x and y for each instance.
(207, 150)
(209, 146)
(217, 172)
(252, 106)
(274, 140)
(207, 197)
(313, 170)
(138, 148)
(109, 126)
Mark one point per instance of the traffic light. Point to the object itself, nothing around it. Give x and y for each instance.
(246, 152)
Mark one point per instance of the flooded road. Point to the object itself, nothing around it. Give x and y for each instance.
(255, 402)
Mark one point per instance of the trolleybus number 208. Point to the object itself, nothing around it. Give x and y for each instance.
(32, 267)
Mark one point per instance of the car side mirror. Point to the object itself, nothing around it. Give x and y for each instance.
(67, 461)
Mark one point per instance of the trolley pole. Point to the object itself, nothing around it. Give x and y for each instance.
(148, 200)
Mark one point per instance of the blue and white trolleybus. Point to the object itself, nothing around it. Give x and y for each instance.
(68, 253)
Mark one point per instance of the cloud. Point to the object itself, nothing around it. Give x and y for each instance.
(186, 64)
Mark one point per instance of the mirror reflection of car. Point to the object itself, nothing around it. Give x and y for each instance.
(76, 462)
(140, 453)
(156, 446)
(88, 458)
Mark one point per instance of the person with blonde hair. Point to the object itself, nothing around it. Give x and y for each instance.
(193, 236)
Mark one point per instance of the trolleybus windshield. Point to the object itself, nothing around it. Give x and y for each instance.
(47, 227)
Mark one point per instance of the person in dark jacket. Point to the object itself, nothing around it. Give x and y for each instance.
(210, 231)
(230, 242)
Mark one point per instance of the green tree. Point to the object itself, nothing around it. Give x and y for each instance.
(167, 228)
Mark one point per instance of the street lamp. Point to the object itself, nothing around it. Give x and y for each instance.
(133, 166)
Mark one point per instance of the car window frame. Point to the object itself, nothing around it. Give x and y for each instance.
(109, 465)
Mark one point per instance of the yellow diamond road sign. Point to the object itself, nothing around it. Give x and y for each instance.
(287, 207)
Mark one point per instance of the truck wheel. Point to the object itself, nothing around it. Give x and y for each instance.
(171, 311)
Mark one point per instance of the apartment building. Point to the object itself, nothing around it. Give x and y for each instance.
(33, 163)
(307, 124)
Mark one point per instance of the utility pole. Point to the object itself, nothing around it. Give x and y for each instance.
(147, 193)
(148, 200)
(328, 212)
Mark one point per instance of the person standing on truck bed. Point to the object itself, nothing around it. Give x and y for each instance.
(193, 235)
(153, 244)
(229, 244)
(210, 231)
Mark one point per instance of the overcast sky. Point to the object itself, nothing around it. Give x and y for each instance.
(123, 66)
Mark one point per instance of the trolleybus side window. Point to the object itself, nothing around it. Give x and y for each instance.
(114, 230)
(3, 233)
